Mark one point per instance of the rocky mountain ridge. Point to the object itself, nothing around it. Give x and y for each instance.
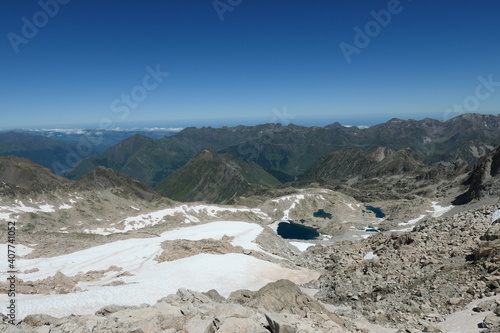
(287, 151)
(352, 162)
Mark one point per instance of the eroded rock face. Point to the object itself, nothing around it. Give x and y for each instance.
(278, 307)
(484, 179)
(284, 296)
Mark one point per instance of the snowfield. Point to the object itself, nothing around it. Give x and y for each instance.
(153, 218)
(151, 280)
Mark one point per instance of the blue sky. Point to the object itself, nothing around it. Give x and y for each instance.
(266, 61)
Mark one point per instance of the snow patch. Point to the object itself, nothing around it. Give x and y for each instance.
(370, 255)
(302, 246)
(439, 210)
(412, 221)
(21, 250)
(296, 199)
(495, 216)
(46, 208)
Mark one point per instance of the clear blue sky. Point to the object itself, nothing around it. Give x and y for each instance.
(264, 55)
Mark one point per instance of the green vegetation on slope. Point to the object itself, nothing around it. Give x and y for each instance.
(215, 178)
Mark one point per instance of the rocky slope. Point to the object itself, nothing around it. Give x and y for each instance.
(404, 161)
(341, 164)
(353, 162)
(412, 280)
(383, 175)
(407, 281)
(28, 176)
(215, 178)
(102, 179)
(484, 180)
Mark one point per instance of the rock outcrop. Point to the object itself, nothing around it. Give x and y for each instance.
(279, 307)
(484, 179)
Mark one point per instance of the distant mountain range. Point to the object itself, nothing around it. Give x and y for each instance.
(58, 155)
(103, 138)
(288, 151)
(217, 164)
(61, 149)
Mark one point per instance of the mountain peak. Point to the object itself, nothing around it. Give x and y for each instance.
(395, 120)
(103, 178)
(335, 125)
(206, 154)
(381, 153)
(214, 178)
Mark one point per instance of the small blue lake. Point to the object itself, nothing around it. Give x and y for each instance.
(322, 213)
(296, 231)
(378, 212)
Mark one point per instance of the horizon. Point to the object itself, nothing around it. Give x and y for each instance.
(155, 126)
(252, 62)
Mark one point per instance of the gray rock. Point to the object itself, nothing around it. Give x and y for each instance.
(109, 309)
(39, 320)
(215, 296)
(491, 321)
(276, 327)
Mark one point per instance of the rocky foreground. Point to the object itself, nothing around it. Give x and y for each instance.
(400, 282)
(412, 280)
(278, 307)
